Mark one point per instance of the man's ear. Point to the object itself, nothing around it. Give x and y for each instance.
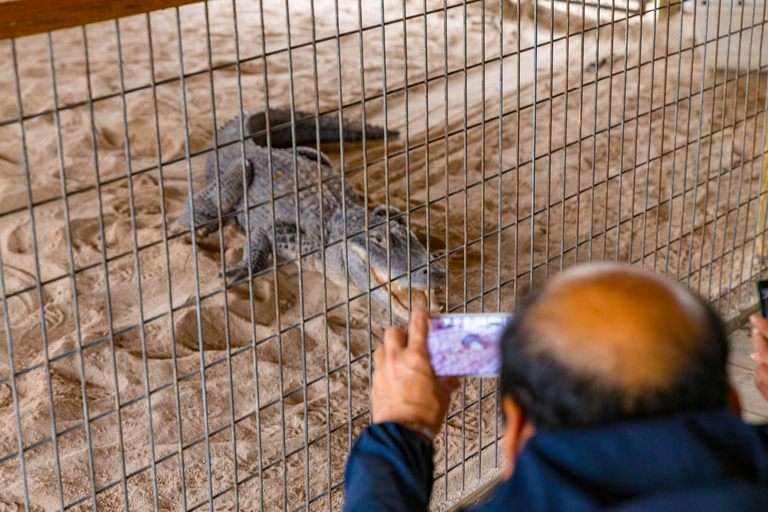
(733, 400)
(517, 432)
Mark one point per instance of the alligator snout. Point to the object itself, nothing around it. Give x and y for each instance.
(423, 279)
(436, 275)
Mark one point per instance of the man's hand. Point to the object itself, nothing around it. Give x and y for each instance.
(759, 340)
(405, 388)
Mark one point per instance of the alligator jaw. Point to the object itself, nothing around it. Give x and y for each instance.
(419, 298)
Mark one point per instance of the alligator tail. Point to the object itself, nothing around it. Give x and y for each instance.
(352, 130)
(306, 129)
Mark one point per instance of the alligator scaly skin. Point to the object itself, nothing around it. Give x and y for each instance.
(274, 173)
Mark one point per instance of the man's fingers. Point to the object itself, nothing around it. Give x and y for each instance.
(450, 384)
(394, 339)
(417, 387)
(761, 373)
(447, 386)
(759, 332)
(759, 322)
(418, 329)
(378, 358)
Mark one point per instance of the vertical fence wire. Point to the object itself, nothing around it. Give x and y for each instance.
(299, 260)
(760, 230)
(14, 389)
(518, 109)
(647, 164)
(741, 162)
(567, 94)
(248, 237)
(38, 275)
(195, 263)
(681, 234)
(621, 170)
(596, 65)
(384, 97)
(608, 144)
(227, 328)
(730, 170)
(752, 163)
(407, 154)
(665, 11)
(582, 35)
(741, 169)
(534, 106)
(447, 206)
(482, 239)
(464, 248)
(636, 119)
(722, 139)
(685, 159)
(549, 138)
(499, 219)
(168, 281)
(366, 223)
(73, 276)
(745, 241)
(320, 193)
(345, 218)
(278, 314)
(427, 163)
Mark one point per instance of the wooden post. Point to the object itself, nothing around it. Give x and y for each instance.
(24, 17)
(665, 9)
(761, 248)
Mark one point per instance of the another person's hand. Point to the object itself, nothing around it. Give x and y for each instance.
(759, 340)
(405, 388)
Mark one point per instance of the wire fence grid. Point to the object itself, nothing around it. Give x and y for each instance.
(532, 136)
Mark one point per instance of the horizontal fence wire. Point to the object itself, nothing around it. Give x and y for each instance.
(139, 375)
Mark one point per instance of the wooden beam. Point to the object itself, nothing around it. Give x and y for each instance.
(24, 17)
(761, 247)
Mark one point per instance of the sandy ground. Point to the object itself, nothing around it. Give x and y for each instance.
(577, 196)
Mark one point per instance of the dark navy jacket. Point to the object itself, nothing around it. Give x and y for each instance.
(690, 462)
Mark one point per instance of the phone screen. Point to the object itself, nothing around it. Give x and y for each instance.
(467, 345)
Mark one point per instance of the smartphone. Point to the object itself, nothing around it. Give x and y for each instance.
(467, 345)
(762, 292)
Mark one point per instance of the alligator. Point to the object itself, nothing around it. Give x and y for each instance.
(365, 262)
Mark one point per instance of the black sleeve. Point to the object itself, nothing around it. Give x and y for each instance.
(390, 468)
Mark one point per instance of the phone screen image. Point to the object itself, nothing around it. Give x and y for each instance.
(467, 345)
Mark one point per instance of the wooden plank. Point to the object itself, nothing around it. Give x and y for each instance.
(479, 495)
(761, 247)
(24, 17)
(751, 399)
(741, 347)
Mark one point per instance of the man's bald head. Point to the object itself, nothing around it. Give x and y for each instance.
(606, 342)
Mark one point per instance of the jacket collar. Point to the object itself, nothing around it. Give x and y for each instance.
(603, 467)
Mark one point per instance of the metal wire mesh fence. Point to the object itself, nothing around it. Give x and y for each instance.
(520, 138)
